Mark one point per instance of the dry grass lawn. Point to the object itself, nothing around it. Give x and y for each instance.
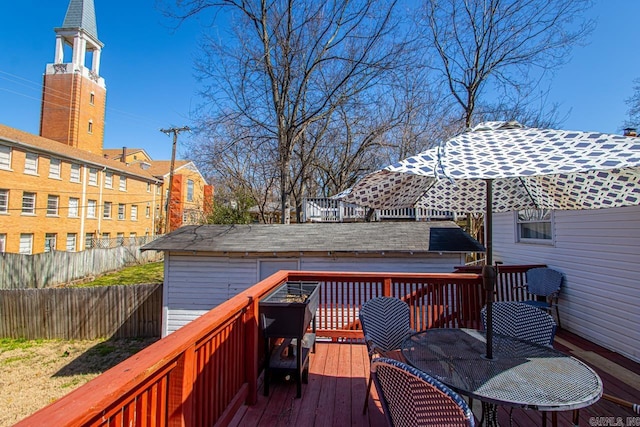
(34, 374)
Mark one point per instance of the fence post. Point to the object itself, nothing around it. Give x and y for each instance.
(386, 287)
(180, 393)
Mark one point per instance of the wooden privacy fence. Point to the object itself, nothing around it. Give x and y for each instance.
(53, 268)
(81, 313)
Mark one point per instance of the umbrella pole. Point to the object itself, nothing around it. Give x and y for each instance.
(488, 280)
(488, 223)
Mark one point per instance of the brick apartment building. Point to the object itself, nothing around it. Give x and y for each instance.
(61, 190)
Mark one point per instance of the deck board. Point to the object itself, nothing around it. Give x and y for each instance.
(338, 376)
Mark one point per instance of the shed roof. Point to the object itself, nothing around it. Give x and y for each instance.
(371, 237)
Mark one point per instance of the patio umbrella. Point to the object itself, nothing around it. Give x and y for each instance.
(505, 166)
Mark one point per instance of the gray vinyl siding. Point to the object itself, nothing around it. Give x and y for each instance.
(196, 283)
(599, 253)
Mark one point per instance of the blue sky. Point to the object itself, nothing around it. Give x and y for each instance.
(148, 69)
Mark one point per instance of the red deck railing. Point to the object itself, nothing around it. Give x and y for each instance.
(202, 373)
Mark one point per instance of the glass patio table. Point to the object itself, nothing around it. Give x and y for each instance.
(521, 374)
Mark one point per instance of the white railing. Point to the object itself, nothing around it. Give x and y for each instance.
(332, 210)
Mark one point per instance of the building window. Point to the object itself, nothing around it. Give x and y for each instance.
(108, 180)
(26, 244)
(50, 242)
(4, 201)
(90, 126)
(75, 172)
(31, 164)
(120, 239)
(147, 211)
(28, 203)
(106, 213)
(189, 190)
(5, 157)
(73, 207)
(88, 240)
(148, 187)
(133, 238)
(535, 226)
(71, 242)
(134, 212)
(92, 98)
(105, 240)
(54, 168)
(123, 183)
(3, 243)
(91, 208)
(93, 176)
(121, 211)
(52, 205)
(158, 189)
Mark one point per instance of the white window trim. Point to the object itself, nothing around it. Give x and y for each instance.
(30, 242)
(31, 163)
(524, 240)
(5, 157)
(73, 241)
(122, 211)
(93, 177)
(71, 177)
(55, 172)
(4, 209)
(33, 208)
(108, 180)
(107, 213)
(134, 213)
(50, 198)
(92, 206)
(123, 183)
(75, 212)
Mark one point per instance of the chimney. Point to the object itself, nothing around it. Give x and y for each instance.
(630, 132)
(124, 155)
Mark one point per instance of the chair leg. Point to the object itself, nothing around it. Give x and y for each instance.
(366, 397)
(558, 317)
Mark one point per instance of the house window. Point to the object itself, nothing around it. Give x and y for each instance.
(5, 157)
(189, 190)
(88, 240)
(93, 176)
(134, 212)
(90, 126)
(123, 183)
(73, 207)
(52, 205)
(121, 211)
(50, 242)
(31, 164)
(108, 180)
(75, 172)
(3, 243)
(28, 203)
(106, 213)
(535, 226)
(54, 168)
(91, 208)
(26, 244)
(71, 242)
(4, 201)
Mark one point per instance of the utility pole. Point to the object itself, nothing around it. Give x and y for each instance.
(175, 131)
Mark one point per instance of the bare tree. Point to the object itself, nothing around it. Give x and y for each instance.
(502, 45)
(288, 64)
(634, 106)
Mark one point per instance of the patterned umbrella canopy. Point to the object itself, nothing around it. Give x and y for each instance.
(504, 166)
(528, 168)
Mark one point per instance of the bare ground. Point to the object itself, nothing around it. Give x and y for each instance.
(34, 374)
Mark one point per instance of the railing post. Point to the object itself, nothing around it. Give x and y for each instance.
(180, 394)
(251, 325)
(386, 287)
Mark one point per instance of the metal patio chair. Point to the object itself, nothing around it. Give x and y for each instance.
(544, 284)
(386, 322)
(520, 320)
(409, 397)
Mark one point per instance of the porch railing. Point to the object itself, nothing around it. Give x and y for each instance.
(202, 373)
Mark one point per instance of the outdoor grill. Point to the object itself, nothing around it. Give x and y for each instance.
(285, 315)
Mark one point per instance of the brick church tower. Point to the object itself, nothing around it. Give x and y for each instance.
(74, 94)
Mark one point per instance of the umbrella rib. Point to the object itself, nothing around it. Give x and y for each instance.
(533, 200)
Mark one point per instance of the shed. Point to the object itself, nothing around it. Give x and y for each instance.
(206, 265)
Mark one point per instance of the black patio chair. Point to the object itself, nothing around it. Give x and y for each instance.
(544, 285)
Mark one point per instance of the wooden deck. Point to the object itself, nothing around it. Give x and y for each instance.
(338, 374)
